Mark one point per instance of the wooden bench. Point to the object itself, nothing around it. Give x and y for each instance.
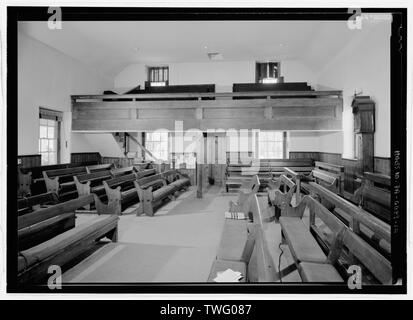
(248, 254)
(99, 167)
(280, 194)
(374, 195)
(43, 224)
(146, 172)
(311, 261)
(244, 196)
(29, 204)
(33, 263)
(151, 198)
(298, 175)
(330, 176)
(25, 182)
(303, 245)
(54, 178)
(235, 231)
(122, 171)
(373, 230)
(266, 169)
(38, 185)
(95, 178)
(120, 189)
(143, 166)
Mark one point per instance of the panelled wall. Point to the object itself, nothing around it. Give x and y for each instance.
(351, 166)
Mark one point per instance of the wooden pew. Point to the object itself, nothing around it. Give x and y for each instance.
(298, 174)
(373, 230)
(144, 173)
(304, 247)
(99, 167)
(38, 184)
(25, 182)
(280, 194)
(235, 231)
(54, 178)
(254, 262)
(43, 224)
(151, 198)
(29, 204)
(120, 189)
(266, 169)
(122, 171)
(374, 195)
(313, 266)
(244, 195)
(33, 263)
(143, 166)
(330, 176)
(95, 178)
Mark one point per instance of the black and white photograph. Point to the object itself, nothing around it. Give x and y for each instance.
(226, 150)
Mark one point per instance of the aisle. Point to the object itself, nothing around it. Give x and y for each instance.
(178, 244)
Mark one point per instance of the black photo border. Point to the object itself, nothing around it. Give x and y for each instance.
(398, 140)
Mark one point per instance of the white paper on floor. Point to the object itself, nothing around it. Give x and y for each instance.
(235, 215)
(228, 275)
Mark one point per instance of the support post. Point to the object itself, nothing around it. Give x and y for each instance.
(199, 169)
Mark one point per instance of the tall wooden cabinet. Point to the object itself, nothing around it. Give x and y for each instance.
(364, 126)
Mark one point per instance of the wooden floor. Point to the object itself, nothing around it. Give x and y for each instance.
(178, 244)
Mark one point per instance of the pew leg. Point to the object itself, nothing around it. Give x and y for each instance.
(286, 271)
(113, 235)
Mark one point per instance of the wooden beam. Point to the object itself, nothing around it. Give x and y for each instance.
(205, 124)
(208, 95)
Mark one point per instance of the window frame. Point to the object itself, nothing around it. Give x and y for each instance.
(55, 140)
(257, 75)
(153, 78)
(149, 142)
(283, 142)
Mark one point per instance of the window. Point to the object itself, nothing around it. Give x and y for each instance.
(158, 76)
(49, 136)
(157, 143)
(267, 72)
(48, 141)
(271, 144)
(186, 160)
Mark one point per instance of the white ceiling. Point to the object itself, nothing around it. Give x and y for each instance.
(111, 46)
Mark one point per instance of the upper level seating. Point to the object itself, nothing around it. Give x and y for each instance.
(193, 88)
(256, 87)
(374, 195)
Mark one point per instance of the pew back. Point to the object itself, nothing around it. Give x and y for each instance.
(330, 176)
(378, 232)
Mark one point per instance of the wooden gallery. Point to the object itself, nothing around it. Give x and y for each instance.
(204, 152)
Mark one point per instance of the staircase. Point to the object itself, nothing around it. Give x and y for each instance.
(130, 145)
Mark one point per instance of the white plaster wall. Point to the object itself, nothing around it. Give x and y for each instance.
(47, 78)
(364, 64)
